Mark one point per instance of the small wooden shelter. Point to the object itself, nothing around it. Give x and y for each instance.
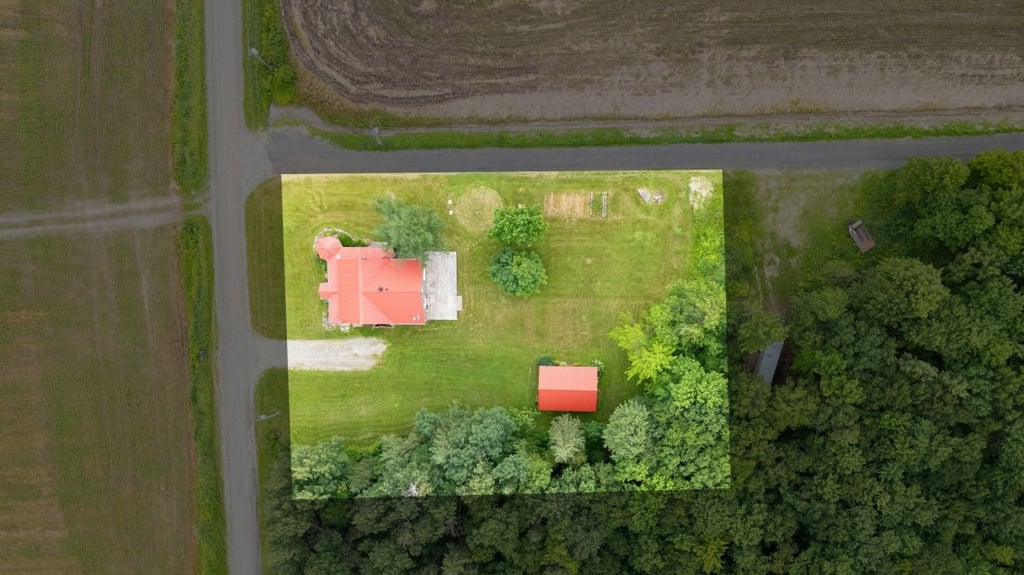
(860, 236)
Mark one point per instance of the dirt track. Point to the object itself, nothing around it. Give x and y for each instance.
(558, 59)
(92, 218)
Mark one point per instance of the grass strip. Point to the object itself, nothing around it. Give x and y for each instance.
(269, 73)
(265, 246)
(190, 161)
(625, 137)
(271, 444)
(195, 250)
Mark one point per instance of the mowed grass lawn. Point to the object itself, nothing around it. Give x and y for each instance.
(598, 269)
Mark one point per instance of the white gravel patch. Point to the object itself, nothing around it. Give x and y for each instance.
(358, 353)
(701, 189)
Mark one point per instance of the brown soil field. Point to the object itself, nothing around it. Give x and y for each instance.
(570, 206)
(566, 59)
(98, 466)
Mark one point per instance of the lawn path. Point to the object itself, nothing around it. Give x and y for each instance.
(359, 353)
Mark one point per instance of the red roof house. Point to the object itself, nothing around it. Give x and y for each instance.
(366, 286)
(562, 388)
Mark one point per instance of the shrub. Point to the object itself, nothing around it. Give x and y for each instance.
(347, 241)
(517, 273)
(518, 227)
(545, 361)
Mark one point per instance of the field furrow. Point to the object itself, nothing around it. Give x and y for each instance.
(653, 59)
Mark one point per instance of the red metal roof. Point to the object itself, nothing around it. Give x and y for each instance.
(365, 286)
(567, 388)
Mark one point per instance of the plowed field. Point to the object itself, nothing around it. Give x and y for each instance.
(561, 59)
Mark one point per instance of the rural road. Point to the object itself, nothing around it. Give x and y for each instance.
(291, 150)
(240, 159)
(233, 163)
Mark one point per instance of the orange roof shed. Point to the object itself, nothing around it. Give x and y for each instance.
(561, 388)
(366, 286)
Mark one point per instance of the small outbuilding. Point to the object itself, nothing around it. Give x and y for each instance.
(768, 361)
(567, 388)
(860, 235)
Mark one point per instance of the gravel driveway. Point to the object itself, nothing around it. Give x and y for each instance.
(335, 354)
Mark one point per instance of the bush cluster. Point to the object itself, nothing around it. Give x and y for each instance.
(517, 270)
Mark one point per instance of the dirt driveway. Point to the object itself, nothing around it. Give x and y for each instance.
(358, 353)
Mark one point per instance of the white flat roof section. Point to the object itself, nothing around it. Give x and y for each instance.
(441, 298)
(768, 360)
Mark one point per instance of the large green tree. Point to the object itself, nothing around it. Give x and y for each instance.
(628, 434)
(408, 229)
(566, 439)
(518, 227)
(517, 273)
(759, 330)
(320, 471)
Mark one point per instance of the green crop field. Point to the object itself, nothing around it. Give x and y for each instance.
(598, 268)
(98, 474)
(99, 469)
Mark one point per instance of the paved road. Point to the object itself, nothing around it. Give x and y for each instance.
(235, 161)
(292, 151)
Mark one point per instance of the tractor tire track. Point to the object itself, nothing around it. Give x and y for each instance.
(92, 219)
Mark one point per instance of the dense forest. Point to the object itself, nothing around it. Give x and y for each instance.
(895, 445)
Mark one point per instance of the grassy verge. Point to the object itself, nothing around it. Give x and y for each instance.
(743, 239)
(271, 444)
(597, 267)
(265, 247)
(195, 251)
(190, 161)
(270, 75)
(623, 137)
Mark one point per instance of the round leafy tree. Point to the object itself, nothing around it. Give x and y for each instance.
(518, 227)
(408, 229)
(517, 273)
(760, 330)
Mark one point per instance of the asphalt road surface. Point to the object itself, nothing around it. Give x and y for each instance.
(239, 160)
(293, 151)
(231, 167)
